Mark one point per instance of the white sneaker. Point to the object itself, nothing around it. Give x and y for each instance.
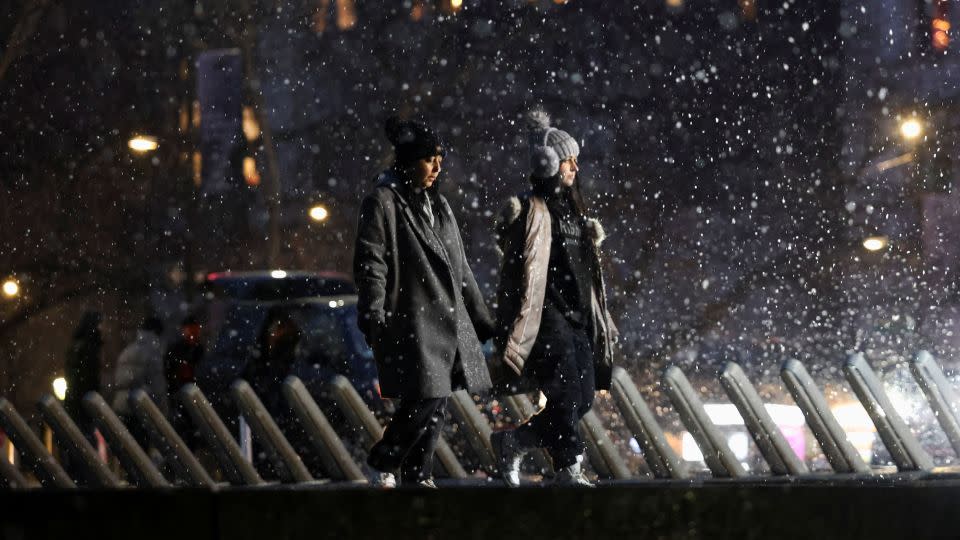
(509, 456)
(426, 483)
(386, 480)
(572, 475)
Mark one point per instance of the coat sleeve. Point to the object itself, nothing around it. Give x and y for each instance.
(509, 230)
(370, 267)
(474, 302)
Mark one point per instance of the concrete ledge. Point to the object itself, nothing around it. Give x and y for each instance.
(637, 510)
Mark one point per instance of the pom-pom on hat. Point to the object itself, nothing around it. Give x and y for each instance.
(413, 140)
(548, 145)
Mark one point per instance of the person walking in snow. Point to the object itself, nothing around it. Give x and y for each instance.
(419, 305)
(82, 368)
(140, 365)
(553, 328)
(180, 364)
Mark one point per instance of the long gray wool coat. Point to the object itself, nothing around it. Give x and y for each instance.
(419, 305)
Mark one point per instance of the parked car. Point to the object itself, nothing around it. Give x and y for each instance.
(276, 285)
(234, 308)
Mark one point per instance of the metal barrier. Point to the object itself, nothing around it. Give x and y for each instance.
(184, 464)
(10, 475)
(475, 428)
(94, 471)
(134, 460)
(841, 454)
(604, 458)
(941, 396)
(216, 435)
(362, 418)
(355, 411)
(903, 446)
(716, 453)
(334, 456)
(285, 459)
(661, 459)
(774, 447)
(44, 465)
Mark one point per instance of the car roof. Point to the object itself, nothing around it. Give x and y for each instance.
(347, 299)
(270, 274)
(277, 285)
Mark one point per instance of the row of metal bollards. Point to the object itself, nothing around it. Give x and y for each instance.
(339, 465)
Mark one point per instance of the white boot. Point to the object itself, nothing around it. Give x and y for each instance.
(572, 475)
(509, 455)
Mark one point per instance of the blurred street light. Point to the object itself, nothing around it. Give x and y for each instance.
(251, 128)
(319, 213)
(939, 32)
(143, 143)
(911, 128)
(278, 274)
(875, 243)
(60, 388)
(11, 288)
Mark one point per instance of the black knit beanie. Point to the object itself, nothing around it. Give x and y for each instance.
(412, 140)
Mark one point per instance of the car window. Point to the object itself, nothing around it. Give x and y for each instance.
(240, 330)
(323, 337)
(348, 318)
(269, 289)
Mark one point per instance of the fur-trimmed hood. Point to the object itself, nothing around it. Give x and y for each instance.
(513, 208)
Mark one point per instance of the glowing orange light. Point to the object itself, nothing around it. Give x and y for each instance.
(417, 11)
(11, 288)
(940, 39)
(197, 169)
(319, 18)
(346, 14)
(143, 143)
(319, 213)
(250, 126)
(250, 174)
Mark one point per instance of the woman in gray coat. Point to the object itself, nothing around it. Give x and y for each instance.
(419, 305)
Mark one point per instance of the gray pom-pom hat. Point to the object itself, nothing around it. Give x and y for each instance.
(548, 145)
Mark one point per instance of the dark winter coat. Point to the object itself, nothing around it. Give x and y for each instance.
(524, 236)
(180, 364)
(82, 367)
(419, 305)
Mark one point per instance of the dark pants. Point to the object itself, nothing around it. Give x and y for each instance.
(410, 440)
(564, 371)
